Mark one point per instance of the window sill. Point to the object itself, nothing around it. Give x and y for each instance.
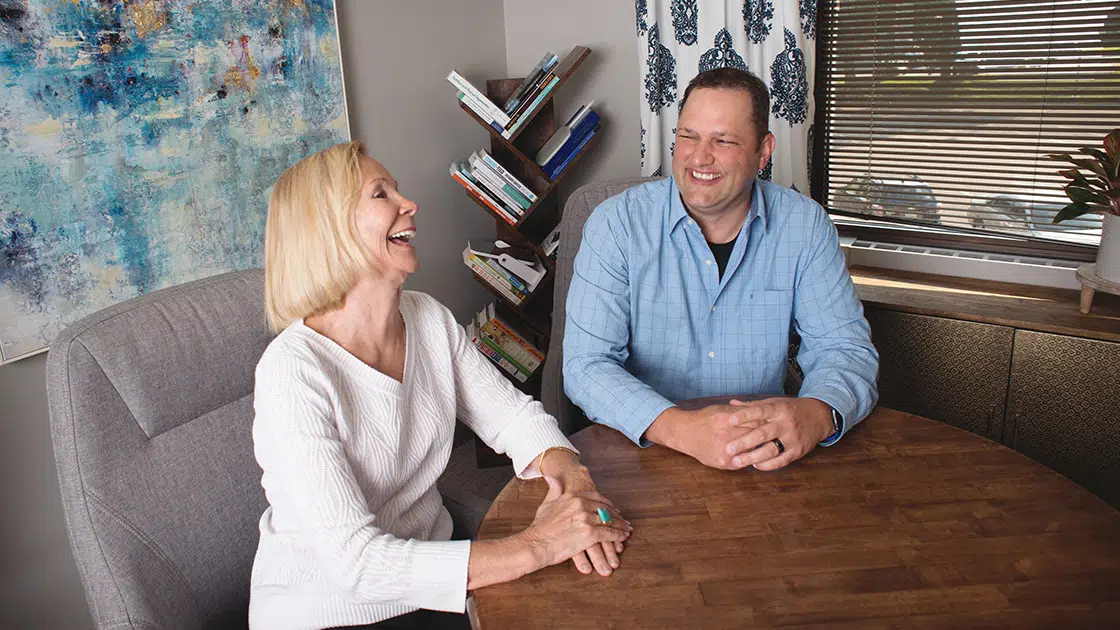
(1041, 309)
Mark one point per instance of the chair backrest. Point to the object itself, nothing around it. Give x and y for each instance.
(151, 416)
(579, 206)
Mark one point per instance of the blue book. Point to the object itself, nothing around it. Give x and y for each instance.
(573, 153)
(578, 136)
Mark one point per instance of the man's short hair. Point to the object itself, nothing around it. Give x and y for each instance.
(736, 79)
(312, 252)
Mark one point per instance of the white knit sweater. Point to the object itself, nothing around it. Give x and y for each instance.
(355, 531)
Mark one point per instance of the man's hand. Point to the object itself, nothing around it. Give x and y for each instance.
(703, 434)
(574, 478)
(799, 423)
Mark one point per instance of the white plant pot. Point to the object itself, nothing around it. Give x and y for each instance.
(1108, 256)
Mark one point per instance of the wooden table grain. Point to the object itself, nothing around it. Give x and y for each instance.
(906, 523)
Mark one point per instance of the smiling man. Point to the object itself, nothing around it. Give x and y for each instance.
(689, 287)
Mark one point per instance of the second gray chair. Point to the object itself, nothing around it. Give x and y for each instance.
(579, 206)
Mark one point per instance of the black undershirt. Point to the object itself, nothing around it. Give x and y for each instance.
(722, 253)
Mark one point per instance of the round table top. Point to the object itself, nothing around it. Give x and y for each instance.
(906, 522)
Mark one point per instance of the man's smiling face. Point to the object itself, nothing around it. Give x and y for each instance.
(718, 151)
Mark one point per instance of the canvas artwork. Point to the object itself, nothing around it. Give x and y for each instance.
(139, 140)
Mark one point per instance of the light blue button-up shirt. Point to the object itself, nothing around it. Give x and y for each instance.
(650, 321)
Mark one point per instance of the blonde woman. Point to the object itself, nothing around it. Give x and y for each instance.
(356, 401)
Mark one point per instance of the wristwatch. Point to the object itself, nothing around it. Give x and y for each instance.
(837, 424)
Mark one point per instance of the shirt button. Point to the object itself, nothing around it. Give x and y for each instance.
(711, 355)
(707, 262)
(713, 309)
(690, 221)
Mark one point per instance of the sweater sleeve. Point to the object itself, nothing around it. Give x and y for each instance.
(509, 421)
(308, 477)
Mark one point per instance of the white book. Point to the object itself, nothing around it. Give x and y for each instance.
(506, 175)
(494, 112)
(494, 182)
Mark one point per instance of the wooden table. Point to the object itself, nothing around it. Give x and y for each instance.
(906, 523)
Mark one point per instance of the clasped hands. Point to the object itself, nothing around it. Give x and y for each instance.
(730, 437)
(741, 434)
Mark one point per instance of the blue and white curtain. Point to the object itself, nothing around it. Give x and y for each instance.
(774, 39)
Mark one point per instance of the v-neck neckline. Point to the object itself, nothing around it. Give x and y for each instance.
(353, 362)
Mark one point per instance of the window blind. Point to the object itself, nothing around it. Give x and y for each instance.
(942, 112)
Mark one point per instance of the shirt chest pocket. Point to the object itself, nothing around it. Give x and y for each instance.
(763, 324)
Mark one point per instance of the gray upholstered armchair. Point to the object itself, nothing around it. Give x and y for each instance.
(151, 405)
(578, 207)
(151, 411)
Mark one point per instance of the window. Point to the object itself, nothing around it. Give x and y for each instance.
(939, 114)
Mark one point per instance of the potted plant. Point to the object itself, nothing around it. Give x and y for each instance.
(1095, 187)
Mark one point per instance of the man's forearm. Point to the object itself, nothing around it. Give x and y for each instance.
(664, 429)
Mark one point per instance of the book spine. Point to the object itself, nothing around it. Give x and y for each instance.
(573, 153)
(507, 176)
(511, 348)
(474, 107)
(497, 348)
(511, 208)
(508, 133)
(525, 345)
(496, 184)
(491, 277)
(482, 197)
(527, 83)
(499, 285)
(517, 283)
(495, 113)
(497, 359)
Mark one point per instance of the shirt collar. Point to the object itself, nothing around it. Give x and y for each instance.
(678, 214)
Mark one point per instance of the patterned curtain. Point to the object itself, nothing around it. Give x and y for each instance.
(774, 39)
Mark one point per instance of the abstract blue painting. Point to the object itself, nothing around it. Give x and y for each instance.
(139, 140)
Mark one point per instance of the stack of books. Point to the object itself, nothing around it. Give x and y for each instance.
(519, 107)
(568, 141)
(492, 185)
(504, 345)
(507, 284)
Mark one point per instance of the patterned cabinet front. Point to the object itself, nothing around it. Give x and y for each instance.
(945, 369)
(1064, 408)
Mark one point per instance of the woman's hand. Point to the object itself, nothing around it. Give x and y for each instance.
(567, 524)
(603, 558)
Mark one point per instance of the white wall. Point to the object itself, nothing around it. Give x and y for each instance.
(396, 55)
(609, 75)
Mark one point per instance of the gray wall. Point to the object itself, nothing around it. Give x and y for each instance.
(396, 55)
(402, 107)
(609, 75)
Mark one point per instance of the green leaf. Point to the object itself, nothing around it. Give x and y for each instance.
(1083, 194)
(1072, 211)
(1063, 157)
(1091, 165)
(1097, 153)
(1112, 144)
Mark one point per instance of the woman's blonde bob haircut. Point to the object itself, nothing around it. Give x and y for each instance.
(312, 253)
